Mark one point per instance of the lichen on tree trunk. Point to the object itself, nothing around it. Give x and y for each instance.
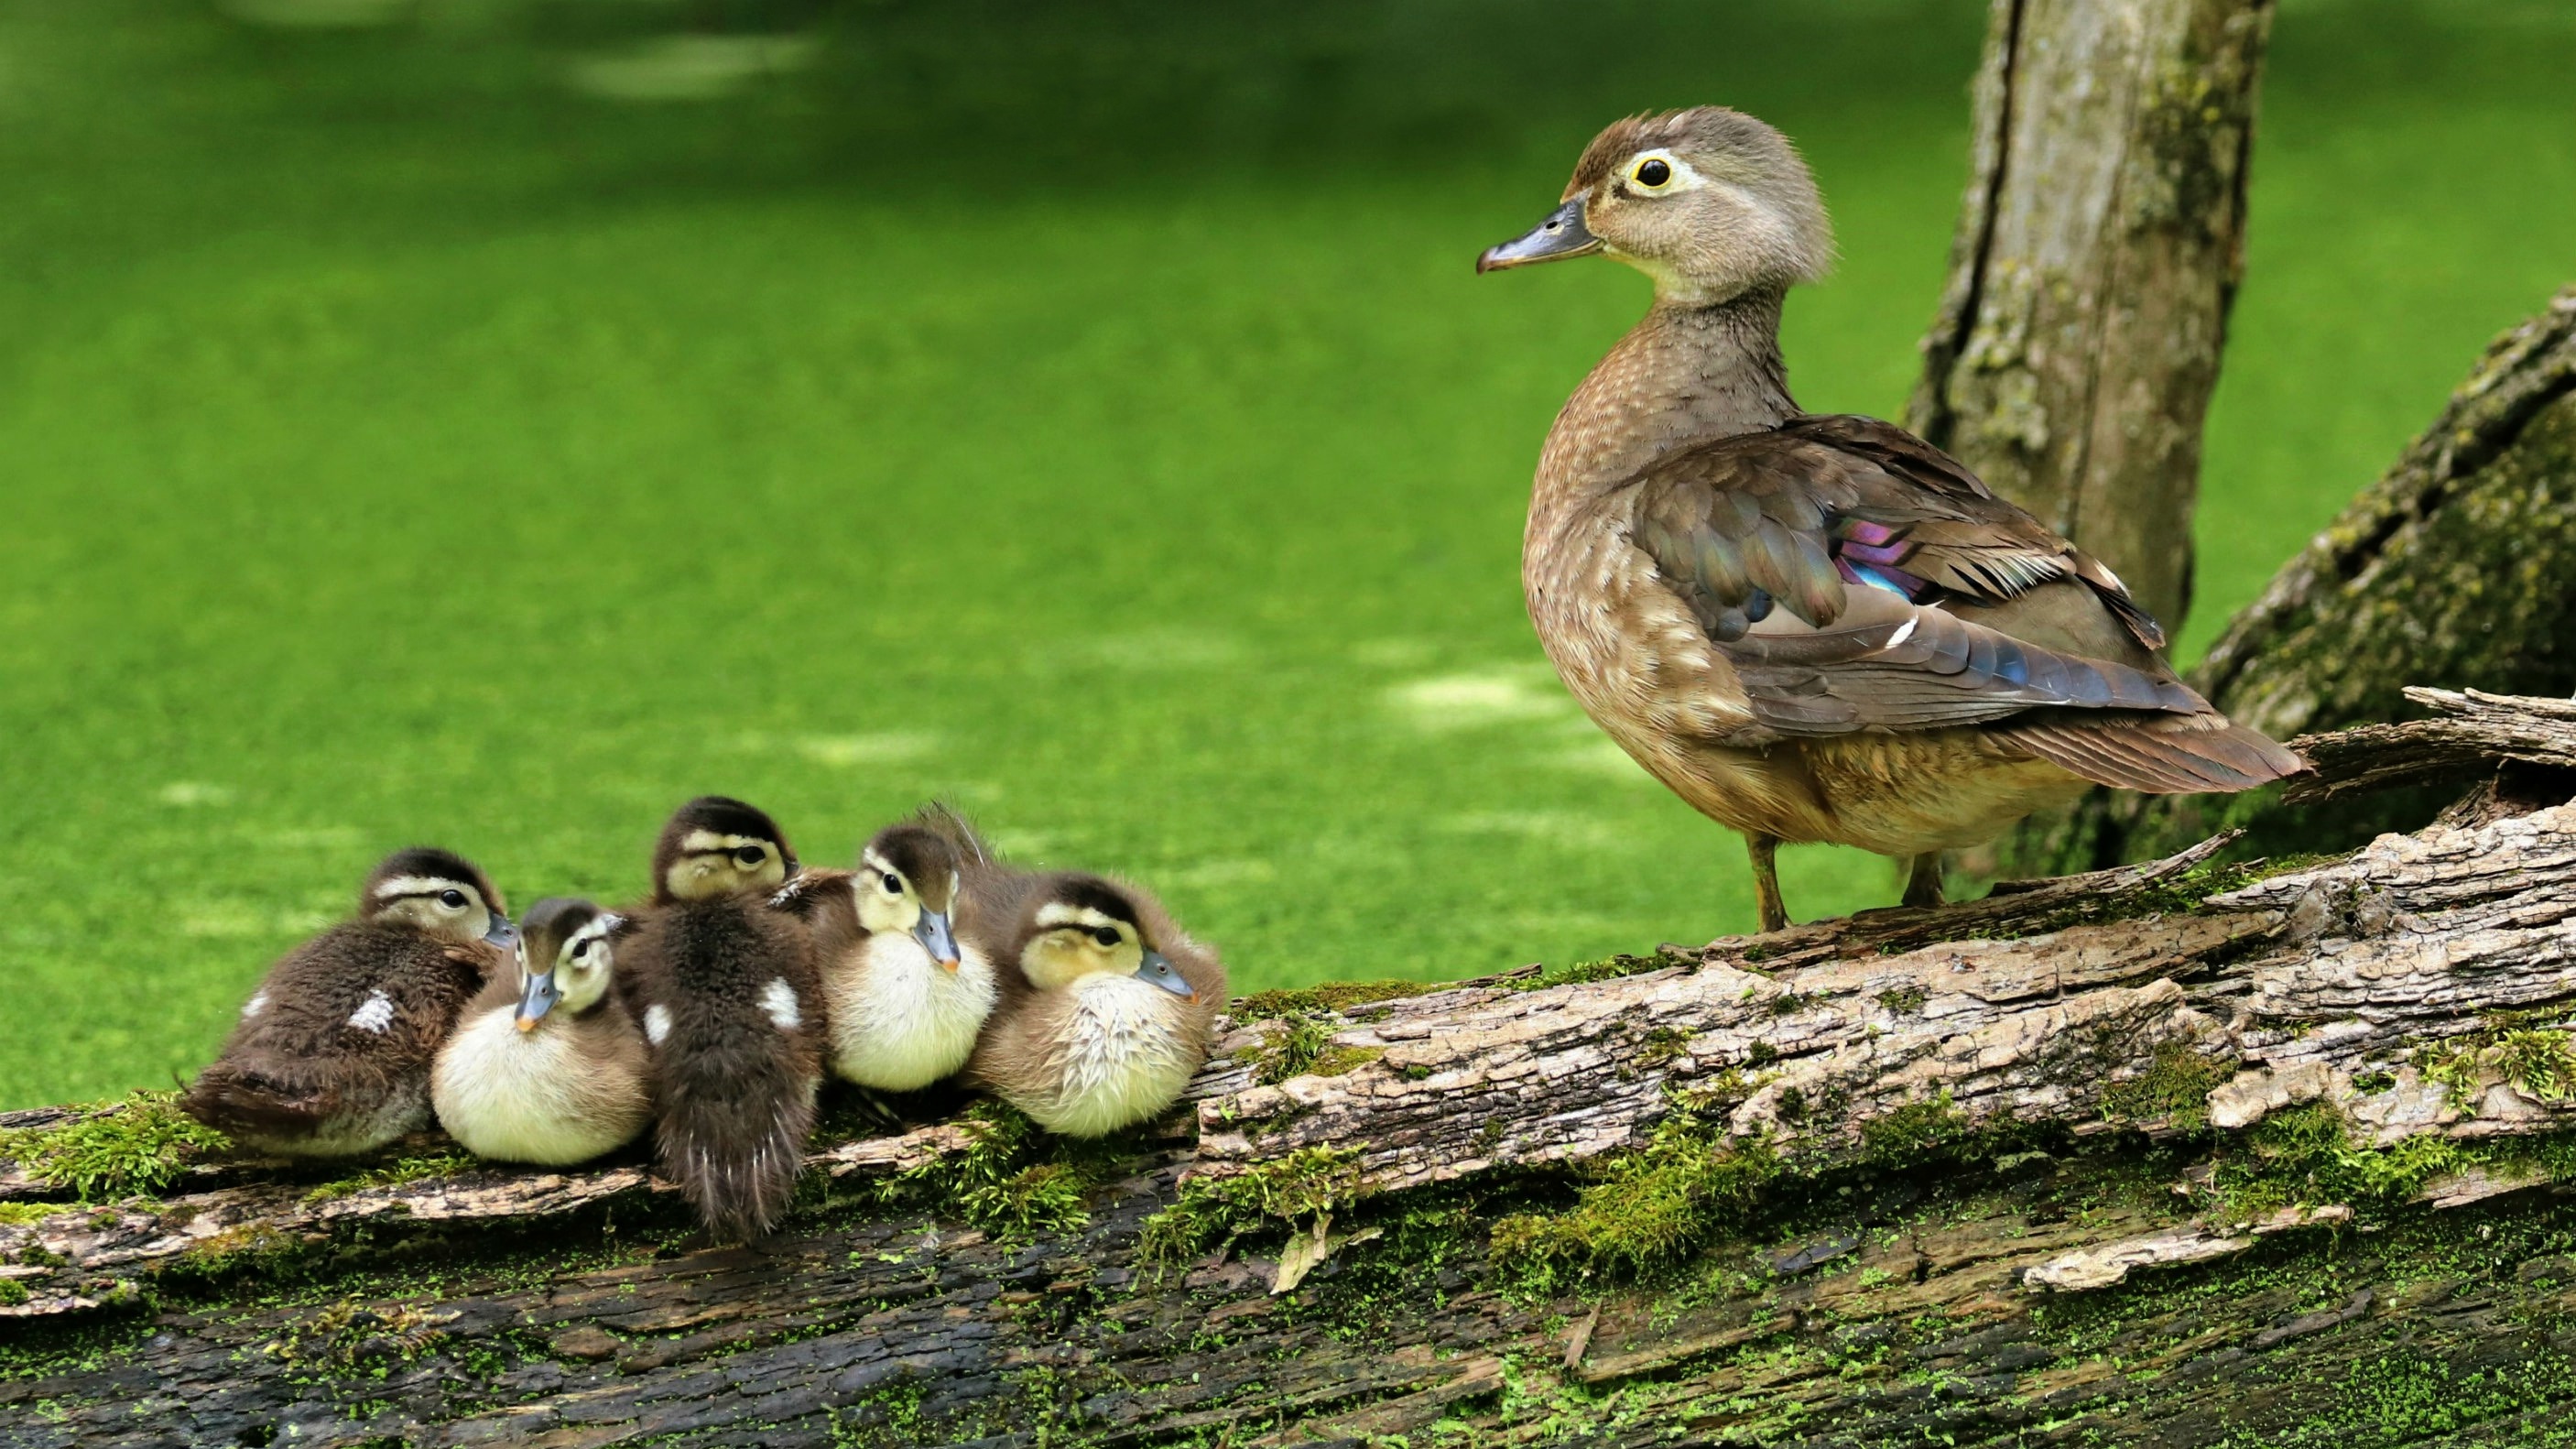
(2180, 1154)
(2097, 253)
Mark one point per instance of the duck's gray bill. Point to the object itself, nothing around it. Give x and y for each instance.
(537, 1000)
(936, 937)
(500, 932)
(1562, 235)
(1159, 970)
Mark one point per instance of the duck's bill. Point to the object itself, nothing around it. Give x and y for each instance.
(1562, 235)
(1159, 971)
(538, 999)
(936, 937)
(500, 932)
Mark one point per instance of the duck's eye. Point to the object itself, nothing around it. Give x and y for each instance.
(580, 949)
(1105, 936)
(453, 900)
(1654, 171)
(893, 884)
(748, 856)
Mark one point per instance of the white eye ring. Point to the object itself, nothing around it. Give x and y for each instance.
(1654, 173)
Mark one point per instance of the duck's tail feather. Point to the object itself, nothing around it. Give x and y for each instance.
(2162, 754)
(242, 1102)
(736, 1145)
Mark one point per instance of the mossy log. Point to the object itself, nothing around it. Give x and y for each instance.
(2457, 568)
(2097, 254)
(2179, 1154)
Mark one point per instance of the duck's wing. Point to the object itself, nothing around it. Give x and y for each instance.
(1858, 578)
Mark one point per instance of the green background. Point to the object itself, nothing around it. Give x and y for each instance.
(1091, 418)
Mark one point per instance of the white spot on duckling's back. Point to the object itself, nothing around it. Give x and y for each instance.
(779, 1000)
(657, 1023)
(254, 1006)
(375, 1014)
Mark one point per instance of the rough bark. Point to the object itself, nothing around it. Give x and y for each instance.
(2002, 1153)
(2097, 253)
(2458, 568)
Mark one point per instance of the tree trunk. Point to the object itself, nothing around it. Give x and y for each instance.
(2175, 1154)
(2098, 250)
(2457, 567)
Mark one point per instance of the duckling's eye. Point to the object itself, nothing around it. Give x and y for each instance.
(1104, 935)
(453, 900)
(748, 855)
(1653, 171)
(580, 949)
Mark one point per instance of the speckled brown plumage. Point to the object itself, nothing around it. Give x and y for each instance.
(1815, 628)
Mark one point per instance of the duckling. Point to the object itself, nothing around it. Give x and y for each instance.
(332, 1054)
(725, 989)
(1110, 1012)
(906, 999)
(1815, 628)
(544, 1068)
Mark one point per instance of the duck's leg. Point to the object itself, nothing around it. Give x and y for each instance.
(1923, 881)
(1766, 882)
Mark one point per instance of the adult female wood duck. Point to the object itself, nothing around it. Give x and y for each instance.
(543, 1066)
(332, 1053)
(1815, 628)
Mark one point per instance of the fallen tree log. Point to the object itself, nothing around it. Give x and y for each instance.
(2187, 1153)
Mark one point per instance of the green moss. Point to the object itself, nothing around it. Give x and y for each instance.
(393, 1174)
(1331, 996)
(1609, 968)
(12, 1292)
(1014, 1181)
(1288, 1051)
(138, 1145)
(1211, 1208)
(2173, 1090)
(353, 1336)
(2305, 1156)
(19, 1214)
(1917, 1132)
(1904, 1001)
(1639, 1210)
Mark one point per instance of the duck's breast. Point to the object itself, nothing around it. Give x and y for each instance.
(901, 1021)
(536, 1096)
(1125, 1056)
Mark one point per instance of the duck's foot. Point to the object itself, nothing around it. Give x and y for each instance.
(1923, 880)
(1766, 882)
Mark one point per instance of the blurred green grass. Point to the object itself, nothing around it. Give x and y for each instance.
(1092, 420)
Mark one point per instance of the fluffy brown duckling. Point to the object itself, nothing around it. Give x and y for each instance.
(725, 989)
(1815, 628)
(332, 1054)
(906, 998)
(1107, 1007)
(544, 1067)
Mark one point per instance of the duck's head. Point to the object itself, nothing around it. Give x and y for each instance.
(1078, 926)
(439, 891)
(564, 958)
(908, 881)
(716, 846)
(1709, 202)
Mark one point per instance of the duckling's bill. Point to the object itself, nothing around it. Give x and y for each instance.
(1158, 970)
(1562, 235)
(539, 998)
(937, 936)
